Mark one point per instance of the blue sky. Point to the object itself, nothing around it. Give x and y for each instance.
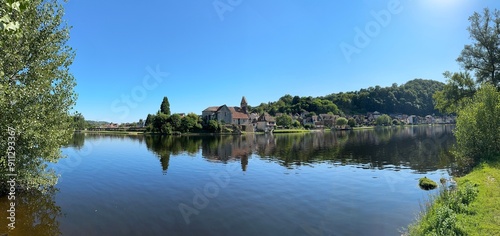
(130, 54)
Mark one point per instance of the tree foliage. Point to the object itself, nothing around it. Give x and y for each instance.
(168, 124)
(478, 126)
(284, 120)
(483, 55)
(10, 12)
(297, 105)
(341, 121)
(351, 122)
(79, 122)
(383, 120)
(459, 87)
(413, 97)
(36, 90)
(165, 106)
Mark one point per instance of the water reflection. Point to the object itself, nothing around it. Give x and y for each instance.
(164, 146)
(35, 212)
(421, 148)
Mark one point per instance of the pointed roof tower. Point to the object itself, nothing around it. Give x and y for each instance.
(243, 104)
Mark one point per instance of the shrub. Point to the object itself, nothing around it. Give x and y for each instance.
(351, 122)
(478, 126)
(383, 120)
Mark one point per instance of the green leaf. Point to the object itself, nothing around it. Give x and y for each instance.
(5, 19)
(16, 6)
(12, 26)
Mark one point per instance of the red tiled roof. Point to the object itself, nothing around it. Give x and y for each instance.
(237, 114)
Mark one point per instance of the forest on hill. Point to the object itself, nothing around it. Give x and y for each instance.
(413, 98)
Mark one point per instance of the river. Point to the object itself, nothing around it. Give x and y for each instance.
(362, 182)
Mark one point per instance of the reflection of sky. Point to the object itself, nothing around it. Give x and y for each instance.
(116, 186)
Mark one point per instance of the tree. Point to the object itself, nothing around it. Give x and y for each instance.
(478, 126)
(341, 121)
(165, 106)
(176, 121)
(383, 120)
(459, 88)
(214, 126)
(79, 121)
(483, 55)
(351, 122)
(149, 120)
(36, 91)
(284, 120)
(190, 123)
(296, 124)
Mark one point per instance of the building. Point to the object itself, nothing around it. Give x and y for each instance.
(227, 115)
(266, 123)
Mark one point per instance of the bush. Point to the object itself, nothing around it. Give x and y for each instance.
(341, 121)
(351, 122)
(395, 122)
(383, 120)
(478, 126)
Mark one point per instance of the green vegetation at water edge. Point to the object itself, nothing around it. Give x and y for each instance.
(471, 209)
(278, 131)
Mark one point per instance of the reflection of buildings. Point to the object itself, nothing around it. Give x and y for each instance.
(414, 146)
(229, 148)
(233, 148)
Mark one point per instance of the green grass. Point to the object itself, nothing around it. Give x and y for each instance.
(363, 127)
(280, 131)
(113, 132)
(472, 209)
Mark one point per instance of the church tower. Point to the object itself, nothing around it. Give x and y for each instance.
(244, 104)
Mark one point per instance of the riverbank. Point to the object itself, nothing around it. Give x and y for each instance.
(109, 132)
(472, 209)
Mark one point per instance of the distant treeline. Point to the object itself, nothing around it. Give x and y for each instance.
(413, 98)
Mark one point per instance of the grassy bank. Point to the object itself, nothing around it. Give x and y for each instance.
(282, 131)
(111, 132)
(473, 208)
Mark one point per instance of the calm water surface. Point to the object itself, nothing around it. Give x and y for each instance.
(327, 183)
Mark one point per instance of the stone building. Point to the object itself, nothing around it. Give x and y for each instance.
(238, 116)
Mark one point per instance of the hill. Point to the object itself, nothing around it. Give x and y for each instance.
(413, 97)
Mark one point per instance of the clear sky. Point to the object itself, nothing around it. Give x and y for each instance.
(200, 53)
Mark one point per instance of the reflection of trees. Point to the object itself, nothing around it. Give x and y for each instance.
(36, 214)
(77, 141)
(421, 148)
(111, 136)
(164, 146)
